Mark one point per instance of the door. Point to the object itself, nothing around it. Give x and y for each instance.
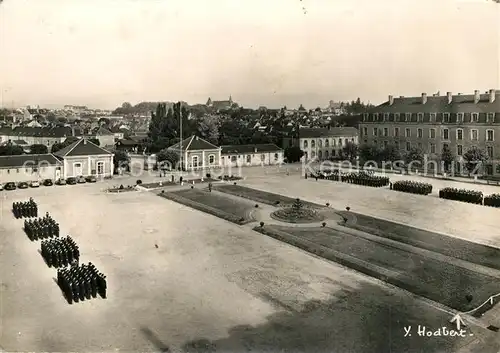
(77, 169)
(58, 173)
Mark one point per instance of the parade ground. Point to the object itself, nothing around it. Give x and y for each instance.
(181, 280)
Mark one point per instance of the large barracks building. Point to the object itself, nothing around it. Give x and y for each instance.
(430, 122)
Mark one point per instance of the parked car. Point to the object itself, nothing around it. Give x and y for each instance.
(35, 184)
(48, 182)
(23, 185)
(61, 182)
(91, 179)
(81, 180)
(10, 186)
(71, 181)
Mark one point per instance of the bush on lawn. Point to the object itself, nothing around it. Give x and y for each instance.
(208, 175)
(412, 187)
(492, 200)
(365, 179)
(138, 182)
(463, 195)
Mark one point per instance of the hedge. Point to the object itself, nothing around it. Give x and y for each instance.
(412, 187)
(464, 195)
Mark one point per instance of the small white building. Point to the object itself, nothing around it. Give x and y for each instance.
(251, 155)
(29, 167)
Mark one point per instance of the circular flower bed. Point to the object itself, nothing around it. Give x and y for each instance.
(297, 213)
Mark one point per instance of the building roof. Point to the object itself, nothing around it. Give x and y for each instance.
(325, 132)
(127, 142)
(82, 147)
(19, 142)
(57, 132)
(244, 149)
(28, 160)
(194, 143)
(102, 132)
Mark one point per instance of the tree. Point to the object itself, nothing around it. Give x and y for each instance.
(369, 152)
(39, 149)
(390, 153)
(95, 141)
(167, 157)
(293, 154)
(121, 160)
(62, 120)
(447, 157)
(350, 151)
(60, 145)
(104, 122)
(10, 149)
(208, 128)
(414, 156)
(126, 106)
(474, 158)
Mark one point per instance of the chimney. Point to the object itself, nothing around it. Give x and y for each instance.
(450, 97)
(476, 96)
(492, 95)
(391, 100)
(424, 98)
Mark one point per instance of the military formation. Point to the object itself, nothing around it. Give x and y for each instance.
(60, 252)
(81, 283)
(26, 209)
(77, 282)
(41, 228)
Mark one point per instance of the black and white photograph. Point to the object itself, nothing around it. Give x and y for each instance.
(191, 176)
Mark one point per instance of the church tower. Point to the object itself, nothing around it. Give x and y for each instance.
(209, 102)
(231, 99)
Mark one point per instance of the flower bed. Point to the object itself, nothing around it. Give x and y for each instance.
(122, 188)
(492, 200)
(412, 187)
(464, 195)
(297, 214)
(230, 178)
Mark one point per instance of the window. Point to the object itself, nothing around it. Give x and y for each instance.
(460, 117)
(333, 152)
(407, 133)
(396, 131)
(313, 144)
(408, 146)
(100, 168)
(419, 145)
(305, 144)
(396, 117)
(211, 159)
(475, 117)
(352, 139)
(420, 117)
(334, 142)
(375, 131)
(320, 154)
(386, 116)
(446, 134)
(249, 158)
(365, 131)
(407, 116)
(194, 161)
(386, 131)
(327, 143)
(326, 154)
(446, 117)
(233, 158)
(459, 150)
(490, 118)
(365, 116)
(490, 135)
(386, 143)
(460, 134)
(420, 133)
(340, 142)
(432, 133)
(262, 157)
(432, 148)
(375, 117)
(432, 117)
(474, 135)
(320, 143)
(313, 154)
(489, 149)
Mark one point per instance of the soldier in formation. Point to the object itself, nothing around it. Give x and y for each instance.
(60, 252)
(41, 228)
(82, 282)
(24, 209)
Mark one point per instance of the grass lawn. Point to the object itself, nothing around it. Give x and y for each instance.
(433, 279)
(220, 205)
(461, 249)
(260, 196)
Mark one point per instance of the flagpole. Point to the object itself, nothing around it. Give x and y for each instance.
(180, 143)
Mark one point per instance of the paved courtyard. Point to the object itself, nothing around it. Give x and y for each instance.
(209, 283)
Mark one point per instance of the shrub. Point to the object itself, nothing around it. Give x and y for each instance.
(327, 204)
(492, 200)
(192, 187)
(276, 203)
(256, 206)
(412, 187)
(323, 224)
(121, 187)
(234, 183)
(208, 175)
(471, 196)
(262, 224)
(138, 182)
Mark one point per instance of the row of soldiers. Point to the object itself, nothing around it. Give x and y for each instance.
(41, 228)
(24, 209)
(60, 252)
(81, 282)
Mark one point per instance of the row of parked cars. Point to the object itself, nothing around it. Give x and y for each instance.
(48, 182)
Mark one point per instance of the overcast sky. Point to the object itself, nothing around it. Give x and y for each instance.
(102, 53)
